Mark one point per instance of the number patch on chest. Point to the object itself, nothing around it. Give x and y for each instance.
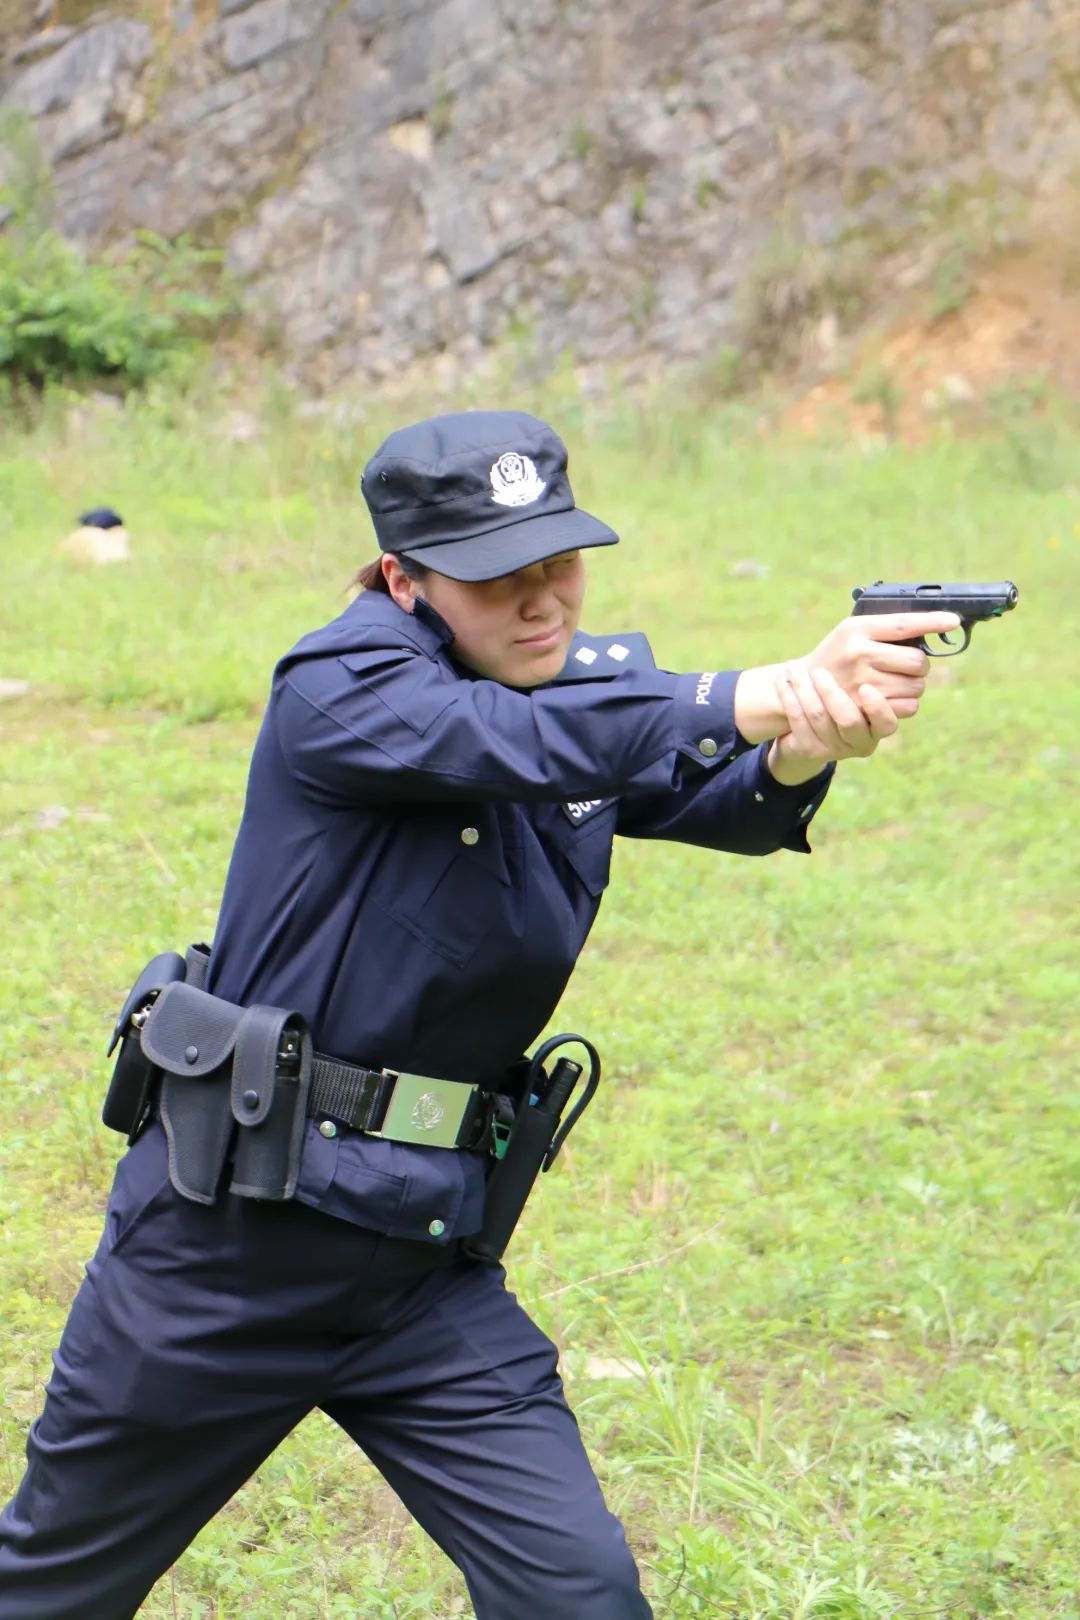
(579, 810)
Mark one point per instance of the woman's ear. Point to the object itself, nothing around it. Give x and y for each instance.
(400, 586)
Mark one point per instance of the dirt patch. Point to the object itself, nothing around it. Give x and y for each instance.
(1017, 330)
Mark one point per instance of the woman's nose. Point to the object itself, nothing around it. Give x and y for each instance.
(541, 603)
(538, 594)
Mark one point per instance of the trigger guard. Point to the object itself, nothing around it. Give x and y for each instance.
(943, 635)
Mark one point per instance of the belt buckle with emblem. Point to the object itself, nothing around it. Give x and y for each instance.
(425, 1111)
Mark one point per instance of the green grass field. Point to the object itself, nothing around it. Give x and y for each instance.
(812, 1259)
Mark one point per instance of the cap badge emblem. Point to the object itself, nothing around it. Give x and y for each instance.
(515, 481)
(427, 1112)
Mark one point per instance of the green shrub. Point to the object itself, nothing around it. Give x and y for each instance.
(65, 317)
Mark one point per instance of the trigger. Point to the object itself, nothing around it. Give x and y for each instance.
(946, 637)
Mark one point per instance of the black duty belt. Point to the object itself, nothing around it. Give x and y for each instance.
(399, 1107)
(232, 1086)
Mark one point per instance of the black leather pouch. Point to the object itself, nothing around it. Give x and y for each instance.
(190, 1037)
(127, 1099)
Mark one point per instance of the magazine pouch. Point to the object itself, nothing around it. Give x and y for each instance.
(229, 1072)
(271, 1078)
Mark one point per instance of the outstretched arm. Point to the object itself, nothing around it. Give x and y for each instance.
(766, 800)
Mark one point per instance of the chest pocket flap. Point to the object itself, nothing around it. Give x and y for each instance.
(448, 882)
(588, 847)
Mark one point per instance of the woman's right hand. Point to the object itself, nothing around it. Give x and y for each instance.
(865, 651)
(860, 652)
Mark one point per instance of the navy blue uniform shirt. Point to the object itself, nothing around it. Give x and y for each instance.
(422, 854)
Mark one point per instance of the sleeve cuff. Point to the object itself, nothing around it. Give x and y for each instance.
(791, 809)
(704, 719)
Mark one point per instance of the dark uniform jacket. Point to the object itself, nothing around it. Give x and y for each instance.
(422, 854)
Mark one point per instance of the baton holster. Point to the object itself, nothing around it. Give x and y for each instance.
(536, 1136)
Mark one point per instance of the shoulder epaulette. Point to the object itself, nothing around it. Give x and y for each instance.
(596, 657)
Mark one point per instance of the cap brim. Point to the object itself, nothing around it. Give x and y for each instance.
(516, 545)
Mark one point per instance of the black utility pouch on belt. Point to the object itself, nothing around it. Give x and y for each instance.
(229, 1071)
(127, 1100)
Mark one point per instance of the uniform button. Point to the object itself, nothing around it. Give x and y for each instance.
(250, 1099)
(191, 1054)
(327, 1128)
(760, 797)
(709, 747)
(805, 812)
(436, 1227)
(469, 835)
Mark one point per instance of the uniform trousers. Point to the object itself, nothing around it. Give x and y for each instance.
(202, 1335)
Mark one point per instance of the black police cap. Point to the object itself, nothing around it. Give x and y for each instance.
(477, 494)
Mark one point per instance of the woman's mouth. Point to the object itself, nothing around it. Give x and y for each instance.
(544, 641)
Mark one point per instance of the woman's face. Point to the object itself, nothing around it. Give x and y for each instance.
(516, 629)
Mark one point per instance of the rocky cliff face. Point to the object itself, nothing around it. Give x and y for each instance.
(403, 178)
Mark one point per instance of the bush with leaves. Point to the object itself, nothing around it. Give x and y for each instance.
(66, 317)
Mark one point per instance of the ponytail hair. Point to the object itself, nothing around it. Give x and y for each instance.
(372, 578)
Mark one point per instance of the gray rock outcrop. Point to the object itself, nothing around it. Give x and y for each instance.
(405, 178)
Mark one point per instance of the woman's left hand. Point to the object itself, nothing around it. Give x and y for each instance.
(825, 723)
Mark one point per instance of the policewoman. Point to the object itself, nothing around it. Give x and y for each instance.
(323, 1108)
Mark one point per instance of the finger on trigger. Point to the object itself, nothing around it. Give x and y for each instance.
(906, 626)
